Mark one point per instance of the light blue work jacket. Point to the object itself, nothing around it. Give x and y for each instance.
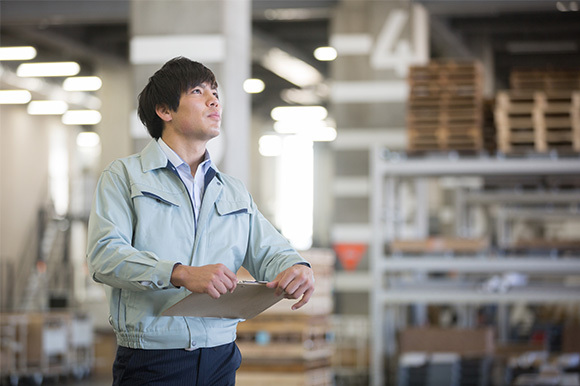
(142, 224)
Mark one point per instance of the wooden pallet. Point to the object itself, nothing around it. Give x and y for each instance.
(537, 121)
(446, 71)
(545, 244)
(440, 244)
(444, 110)
(315, 377)
(443, 117)
(545, 79)
(444, 138)
(293, 339)
(425, 89)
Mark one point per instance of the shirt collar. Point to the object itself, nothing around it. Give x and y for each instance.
(177, 161)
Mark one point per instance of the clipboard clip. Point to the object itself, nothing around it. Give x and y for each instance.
(253, 282)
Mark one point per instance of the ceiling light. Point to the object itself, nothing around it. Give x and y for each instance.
(47, 107)
(254, 86)
(82, 83)
(88, 139)
(291, 68)
(48, 69)
(293, 127)
(299, 113)
(561, 7)
(81, 117)
(323, 134)
(270, 145)
(17, 53)
(14, 97)
(325, 54)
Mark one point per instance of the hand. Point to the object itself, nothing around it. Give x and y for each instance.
(214, 280)
(295, 282)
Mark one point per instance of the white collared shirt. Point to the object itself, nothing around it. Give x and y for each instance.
(195, 185)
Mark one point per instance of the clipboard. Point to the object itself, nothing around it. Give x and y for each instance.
(249, 299)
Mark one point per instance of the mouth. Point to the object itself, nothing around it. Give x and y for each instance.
(216, 116)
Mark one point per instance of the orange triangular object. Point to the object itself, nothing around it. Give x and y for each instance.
(350, 254)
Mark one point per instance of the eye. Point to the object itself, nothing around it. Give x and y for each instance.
(195, 90)
(215, 94)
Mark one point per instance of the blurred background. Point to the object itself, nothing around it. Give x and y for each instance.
(423, 155)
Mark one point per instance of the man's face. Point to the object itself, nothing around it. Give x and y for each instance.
(199, 113)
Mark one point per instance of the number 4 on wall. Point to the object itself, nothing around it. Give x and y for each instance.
(392, 51)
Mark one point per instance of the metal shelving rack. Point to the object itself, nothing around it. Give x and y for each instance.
(387, 172)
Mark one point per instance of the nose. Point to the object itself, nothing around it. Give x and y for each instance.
(213, 101)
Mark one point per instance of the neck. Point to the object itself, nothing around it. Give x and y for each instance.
(192, 152)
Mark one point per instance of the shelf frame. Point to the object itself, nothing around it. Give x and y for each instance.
(387, 170)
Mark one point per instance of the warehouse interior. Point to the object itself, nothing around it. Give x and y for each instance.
(422, 155)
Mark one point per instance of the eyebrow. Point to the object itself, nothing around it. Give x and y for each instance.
(203, 85)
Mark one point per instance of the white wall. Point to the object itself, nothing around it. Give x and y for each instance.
(23, 176)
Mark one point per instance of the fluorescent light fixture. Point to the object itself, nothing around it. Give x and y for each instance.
(81, 117)
(47, 107)
(27, 70)
(270, 145)
(561, 7)
(325, 54)
(17, 53)
(254, 86)
(291, 68)
(294, 127)
(316, 131)
(58, 168)
(14, 97)
(295, 190)
(299, 113)
(82, 83)
(88, 139)
(322, 134)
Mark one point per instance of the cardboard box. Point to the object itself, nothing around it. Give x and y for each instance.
(467, 342)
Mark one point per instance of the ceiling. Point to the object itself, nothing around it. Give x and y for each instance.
(521, 33)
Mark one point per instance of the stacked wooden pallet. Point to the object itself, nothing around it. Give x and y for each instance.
(445, 106)
(539, 121)
(547, 80)
(285, 347)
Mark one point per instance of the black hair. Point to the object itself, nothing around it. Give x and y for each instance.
(165, 87)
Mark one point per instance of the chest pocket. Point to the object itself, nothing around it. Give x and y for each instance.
(158, 196)
(225, 208)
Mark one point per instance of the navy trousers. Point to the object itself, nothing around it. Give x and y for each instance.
(214, 366)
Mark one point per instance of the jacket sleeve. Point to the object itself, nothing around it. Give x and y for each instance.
(111, 258)
(269, 253)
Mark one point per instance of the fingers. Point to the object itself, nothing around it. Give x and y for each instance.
(305, 298)
(221, 281)
(295, 283)
(215, 279)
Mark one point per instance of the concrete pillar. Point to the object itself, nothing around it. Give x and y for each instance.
(215, 33)
(376, 41)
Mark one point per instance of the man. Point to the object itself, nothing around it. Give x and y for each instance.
(164, 223)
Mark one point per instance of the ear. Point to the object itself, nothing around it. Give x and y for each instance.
(163, 112)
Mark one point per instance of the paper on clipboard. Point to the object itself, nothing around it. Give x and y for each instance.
(248, 300)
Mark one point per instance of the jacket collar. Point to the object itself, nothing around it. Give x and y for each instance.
(153, 157)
